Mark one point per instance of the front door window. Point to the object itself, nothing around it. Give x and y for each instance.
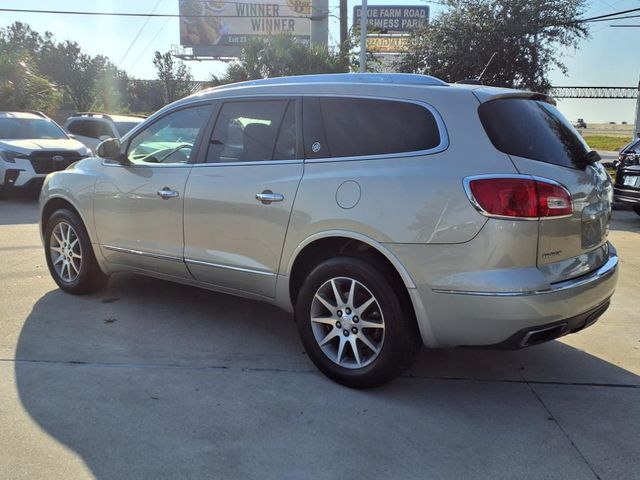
(171, 139)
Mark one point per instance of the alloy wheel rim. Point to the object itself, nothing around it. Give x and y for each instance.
(347, 322)
(65, 252)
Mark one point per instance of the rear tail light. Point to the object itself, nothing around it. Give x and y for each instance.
(519, 197)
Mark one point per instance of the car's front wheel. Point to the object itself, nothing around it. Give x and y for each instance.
(354, 325)
(70, 256)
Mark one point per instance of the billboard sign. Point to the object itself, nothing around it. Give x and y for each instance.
(387, 43)
(220, 28)
(393, 18)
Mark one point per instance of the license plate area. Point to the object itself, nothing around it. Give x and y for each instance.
(631, 180)
(595, 225)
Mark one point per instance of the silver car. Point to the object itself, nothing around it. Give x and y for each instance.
(385, 211)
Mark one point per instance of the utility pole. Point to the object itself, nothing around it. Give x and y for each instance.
(364, 21)
(320, 22)
(637, 132)
(344, 26)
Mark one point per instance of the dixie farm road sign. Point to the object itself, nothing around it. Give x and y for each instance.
(393, 18)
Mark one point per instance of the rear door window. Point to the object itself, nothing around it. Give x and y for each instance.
(254, 130)
(533, 129)
(354, 127)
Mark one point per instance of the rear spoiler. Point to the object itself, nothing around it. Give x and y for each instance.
(486, 94)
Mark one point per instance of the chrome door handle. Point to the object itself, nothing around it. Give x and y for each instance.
(268, 196)
(166, 193)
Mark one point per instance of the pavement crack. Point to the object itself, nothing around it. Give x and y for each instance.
(553, 418)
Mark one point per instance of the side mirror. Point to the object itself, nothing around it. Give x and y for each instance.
(111, 149)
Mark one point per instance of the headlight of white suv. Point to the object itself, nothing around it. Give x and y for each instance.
(9, 156)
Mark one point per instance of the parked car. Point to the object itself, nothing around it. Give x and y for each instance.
(581, 123)
(630, 153)
(92, 128)
(626, 189)
(31, 146)
(384, 210)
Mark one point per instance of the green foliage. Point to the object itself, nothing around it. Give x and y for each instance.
(606, 142)
(281, 56)
(174, 76)
(21, 85)
(525, 35)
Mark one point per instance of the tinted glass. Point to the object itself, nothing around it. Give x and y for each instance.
(533, 129)
(359, 127)
(170, 139)
(124, 127)
(633, 146)
(90, 128)
(29, 128)
(254, 131)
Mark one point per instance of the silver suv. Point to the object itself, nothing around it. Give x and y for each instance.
(385, 211)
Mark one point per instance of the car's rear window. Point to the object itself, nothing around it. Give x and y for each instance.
(125, 127)
(533, 129)
(633, 146)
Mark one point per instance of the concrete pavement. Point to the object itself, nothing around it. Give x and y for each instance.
(148, 379)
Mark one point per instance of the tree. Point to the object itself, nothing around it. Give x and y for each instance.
(21, 84)
(526, 36)
(175, 76)
(281, 56)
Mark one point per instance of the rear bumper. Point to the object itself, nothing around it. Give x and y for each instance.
(502, 319)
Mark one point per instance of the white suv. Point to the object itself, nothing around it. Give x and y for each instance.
(31, 146)
(93, 128)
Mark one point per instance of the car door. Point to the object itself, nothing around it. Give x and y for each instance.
(239, 199)
(138, 207)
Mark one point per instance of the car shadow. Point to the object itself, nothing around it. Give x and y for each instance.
(149, 379)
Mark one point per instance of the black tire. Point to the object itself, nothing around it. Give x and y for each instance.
(89, 278)
(636, 208)
(401, 338)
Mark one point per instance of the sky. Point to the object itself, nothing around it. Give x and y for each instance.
(610, 57)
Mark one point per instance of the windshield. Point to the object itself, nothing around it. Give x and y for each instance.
(124, 127)
(533, 129)
(29, 129)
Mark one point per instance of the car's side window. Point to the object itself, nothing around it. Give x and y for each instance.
(354, 127)
(171, 139)
(255, 130)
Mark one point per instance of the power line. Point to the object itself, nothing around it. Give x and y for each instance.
(609, 15)
(150, 15)
(135, 39)
(150, 43)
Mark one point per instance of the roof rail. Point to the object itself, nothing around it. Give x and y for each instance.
(379, 78)
(34, 112)
(91, 114)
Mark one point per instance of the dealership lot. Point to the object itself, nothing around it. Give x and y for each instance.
(149, 379)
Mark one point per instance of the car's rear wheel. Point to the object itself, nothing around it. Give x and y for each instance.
(70, 256)
(636, 208)
(354, 325)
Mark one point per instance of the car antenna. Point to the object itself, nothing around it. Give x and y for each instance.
(478, 79)
(486, 66)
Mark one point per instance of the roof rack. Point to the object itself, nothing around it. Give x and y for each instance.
(34, 112)
(380, 78)
(91, 114)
